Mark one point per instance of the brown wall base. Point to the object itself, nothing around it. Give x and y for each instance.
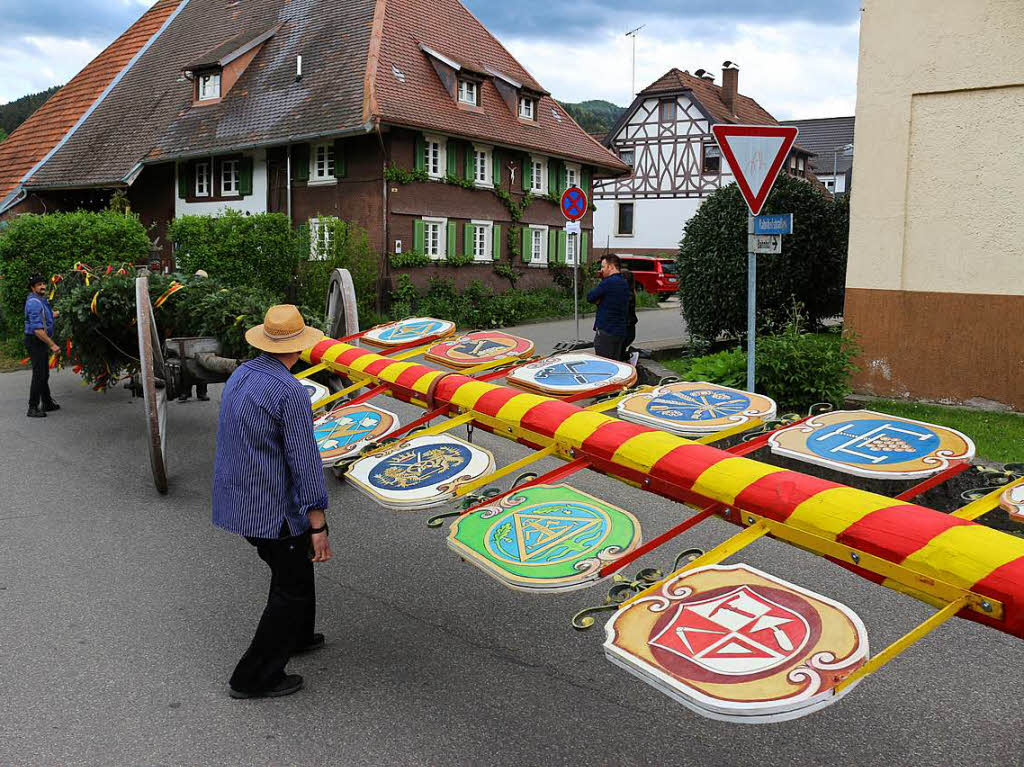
(939, 346)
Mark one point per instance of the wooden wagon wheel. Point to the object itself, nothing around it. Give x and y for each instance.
(342, 311)
(154, 377)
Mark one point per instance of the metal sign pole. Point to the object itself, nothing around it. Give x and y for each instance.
(751, 302)
(575, 282)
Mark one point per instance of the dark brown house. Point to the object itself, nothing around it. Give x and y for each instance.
(406, 117)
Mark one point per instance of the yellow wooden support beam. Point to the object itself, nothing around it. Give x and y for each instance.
(721, 552)
(441, 428)
(737, 429)
(339, 394)
(311, 371)
(903, 643)
(522, 463)
(411, 353)
(611, 404)
(985, 504)
(487, 366)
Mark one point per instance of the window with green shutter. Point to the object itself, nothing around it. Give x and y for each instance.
(561, 247)
(469, 170)
(300, 162)
(418, 237)
(563, 180)
(245, 177)
(340, 160)
(496, 242)
(496, 174)
(552, 246)
(527, 244)
(451, 161)
(452, 234)
(467, 239)
(553, 169)
(527, 172)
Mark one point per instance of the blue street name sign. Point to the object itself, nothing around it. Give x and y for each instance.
(782, 224)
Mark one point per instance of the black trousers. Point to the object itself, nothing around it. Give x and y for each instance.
(607, 346)
(288, 618)
(39, 353)
(627, 342)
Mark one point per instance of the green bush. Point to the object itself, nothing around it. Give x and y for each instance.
(259, 251)
(349, 249)
(52, 244)
(811, 269)
(795, 369)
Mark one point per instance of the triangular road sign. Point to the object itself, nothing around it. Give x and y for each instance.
(756, 154)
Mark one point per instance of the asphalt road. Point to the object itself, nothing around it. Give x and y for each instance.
(123, 613)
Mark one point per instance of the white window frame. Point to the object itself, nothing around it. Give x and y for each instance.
(572, 241)
(572, 168)
(487, 227)
(542, 187)
(320, 237)
(487, 179)
(329, 163)
(543, 231)
(440, 155)
(467, 88)
(230, 178)
(442, 237)
(204, 189)
(527, 108)
(209, 86)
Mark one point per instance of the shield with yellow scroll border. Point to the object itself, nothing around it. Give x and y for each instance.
(695, 408)
(409, 331)
(733, 643)
(869, 444)
(1012, 500)
(478, 348)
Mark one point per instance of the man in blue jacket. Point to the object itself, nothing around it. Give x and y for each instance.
(39, 343)
(612, 299)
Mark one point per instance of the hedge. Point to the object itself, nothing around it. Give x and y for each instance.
(258, 251)
(810, 271)
(349, 248)
(50, 244)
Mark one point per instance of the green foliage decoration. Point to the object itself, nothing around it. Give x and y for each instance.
(350, 249)
(258, 251)
(465, 183)
(51, 244)
(400, 176)
(410, 259)
(811, 270)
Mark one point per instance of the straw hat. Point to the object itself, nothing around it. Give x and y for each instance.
(283, 332)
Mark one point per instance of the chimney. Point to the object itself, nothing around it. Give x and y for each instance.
(730, 85)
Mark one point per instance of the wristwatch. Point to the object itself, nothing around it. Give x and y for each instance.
(318, 530)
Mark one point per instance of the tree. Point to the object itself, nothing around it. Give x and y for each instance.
(3, 134)
(810, 271)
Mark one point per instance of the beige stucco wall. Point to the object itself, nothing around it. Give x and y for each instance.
(938, 203)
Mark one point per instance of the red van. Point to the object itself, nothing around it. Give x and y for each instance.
(655, 275)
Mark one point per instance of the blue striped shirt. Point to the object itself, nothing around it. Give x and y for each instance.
(268, 469)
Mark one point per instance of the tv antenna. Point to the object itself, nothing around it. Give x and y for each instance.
(633, 33)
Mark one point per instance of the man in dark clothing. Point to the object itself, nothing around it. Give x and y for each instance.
(612, 299)
(39, 342)
(631, 318)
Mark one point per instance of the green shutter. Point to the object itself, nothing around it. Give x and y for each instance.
(562, 249)
(451, 158)
(452, 234)
(300, 162)
(496, 242)
(421, 153)
(585, 180)
(419, 239)
(467, 240)
(527, 172)
(584, 239)
(340, 161)
(245, 176)
(184, 179)
(553, 176)
(527, 245)
(562, 178)
(467, 172)
(552, 246)
(496, 174)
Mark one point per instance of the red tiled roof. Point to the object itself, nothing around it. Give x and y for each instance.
(709, 95)
(421, 101)
(50, 123)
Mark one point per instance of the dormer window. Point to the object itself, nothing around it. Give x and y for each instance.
(209, 86)
(527, 108)
(468, 92)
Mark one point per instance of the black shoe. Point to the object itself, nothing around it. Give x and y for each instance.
(34, 412)
(183, 398)
(50, 406)
(315, 643)
(290, 683)
(202, 398)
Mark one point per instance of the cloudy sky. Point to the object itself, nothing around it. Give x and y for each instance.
(798, 58)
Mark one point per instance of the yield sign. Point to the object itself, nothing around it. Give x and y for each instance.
(756, 154)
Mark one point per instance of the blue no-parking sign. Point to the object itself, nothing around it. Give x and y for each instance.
(574, 203)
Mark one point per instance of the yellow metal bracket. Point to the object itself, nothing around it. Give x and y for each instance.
(440, 428)
(512, 468)
(985, 504)
(311, 371)
(903, 643)
(339, 394)
(408, 355)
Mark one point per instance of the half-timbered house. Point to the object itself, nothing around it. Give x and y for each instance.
(665, 136)
(406, 117)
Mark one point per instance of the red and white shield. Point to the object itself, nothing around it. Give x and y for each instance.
(737, 633)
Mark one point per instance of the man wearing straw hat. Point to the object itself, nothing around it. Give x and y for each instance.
(268, 486)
